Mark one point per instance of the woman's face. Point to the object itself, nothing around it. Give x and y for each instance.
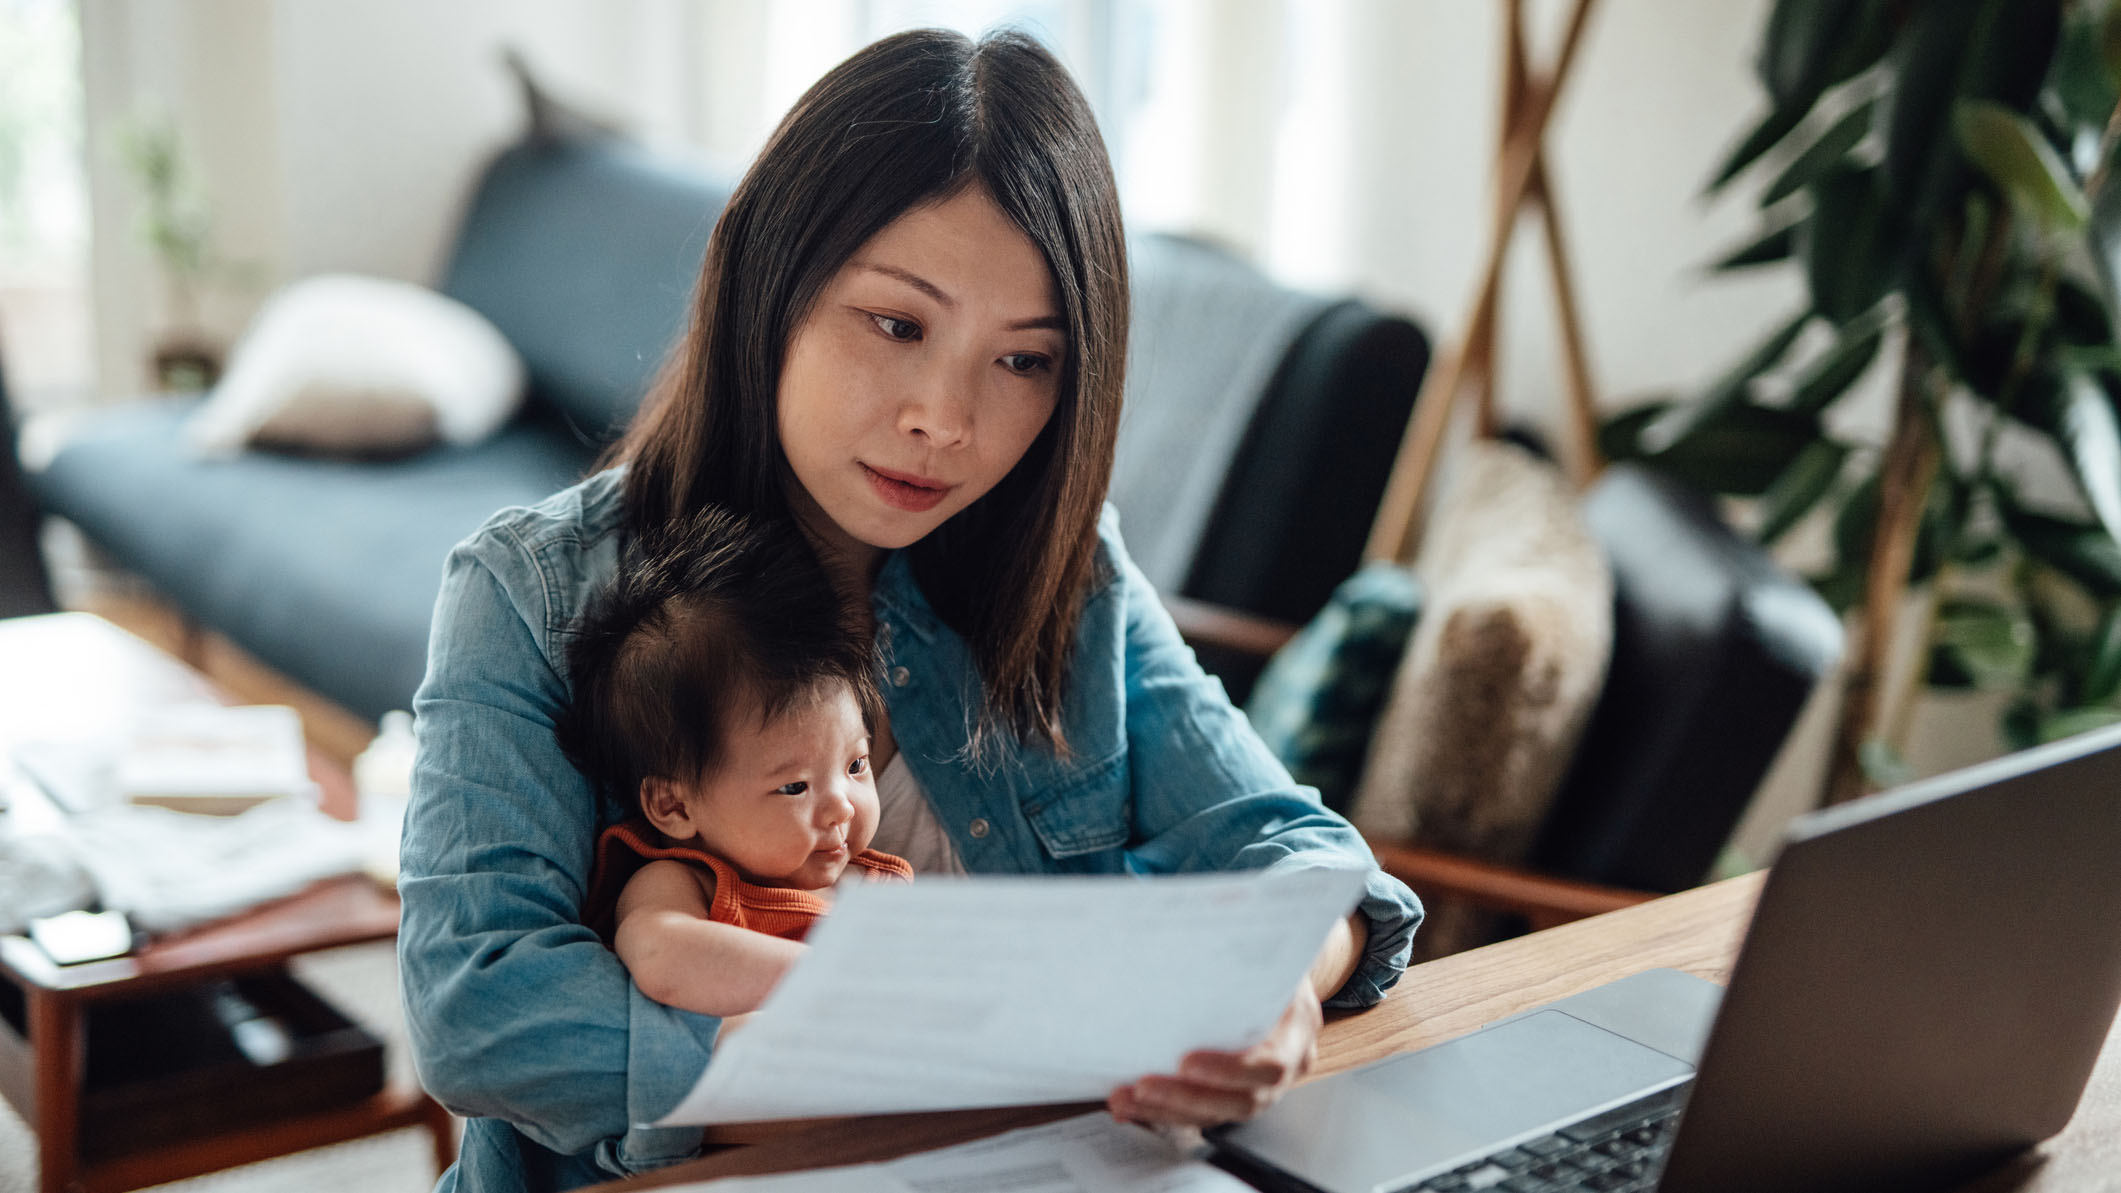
(920, 377)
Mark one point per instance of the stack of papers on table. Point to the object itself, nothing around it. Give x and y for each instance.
(213, 759)
(1086, 1154)
(206, 758)
(952, 993)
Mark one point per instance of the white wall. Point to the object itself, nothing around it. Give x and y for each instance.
(345, 136)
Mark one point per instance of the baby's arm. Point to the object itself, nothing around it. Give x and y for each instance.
(680, 958)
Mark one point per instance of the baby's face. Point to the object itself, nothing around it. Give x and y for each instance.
(793, 799)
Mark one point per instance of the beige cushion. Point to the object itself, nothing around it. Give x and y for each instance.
(1506, 663)
(361, 366)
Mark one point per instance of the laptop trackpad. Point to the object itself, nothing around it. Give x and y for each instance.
(1382, 1124)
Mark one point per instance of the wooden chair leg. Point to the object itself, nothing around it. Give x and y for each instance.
(192, 636)
(442, 1130)
(1585, 458)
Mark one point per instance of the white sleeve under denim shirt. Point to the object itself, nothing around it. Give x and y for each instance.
(522, 1021)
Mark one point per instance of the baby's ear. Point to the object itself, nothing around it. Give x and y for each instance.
(663, 803)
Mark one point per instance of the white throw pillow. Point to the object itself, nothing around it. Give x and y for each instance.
(359, 365)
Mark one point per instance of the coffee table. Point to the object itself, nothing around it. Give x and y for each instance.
(70, 676)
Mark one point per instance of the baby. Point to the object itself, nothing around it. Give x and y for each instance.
(719, 684)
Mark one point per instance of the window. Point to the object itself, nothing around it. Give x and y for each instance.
(45, 343)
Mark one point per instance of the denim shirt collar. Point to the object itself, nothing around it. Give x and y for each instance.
(897, 601)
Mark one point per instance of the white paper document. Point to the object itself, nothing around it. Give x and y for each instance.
(1086, 1154)
(952, 993)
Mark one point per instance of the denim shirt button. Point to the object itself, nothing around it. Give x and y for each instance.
(899, 677)
(978, 827)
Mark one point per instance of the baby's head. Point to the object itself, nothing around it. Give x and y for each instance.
(719, 682)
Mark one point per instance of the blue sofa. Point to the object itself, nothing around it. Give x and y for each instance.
(583, 249)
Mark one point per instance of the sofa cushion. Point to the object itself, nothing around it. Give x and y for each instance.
(1504, 669)
(327, 570)
(1317, 702)
(356, 365)
(584, 252)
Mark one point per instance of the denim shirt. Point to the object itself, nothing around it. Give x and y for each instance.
(523, 1022)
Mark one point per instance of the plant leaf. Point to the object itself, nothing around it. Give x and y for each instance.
(1989, 642)
(1857, 524)
(2110, 43)
(1764, 136)
(1799, 488)
(2102, 675)
(1810, 45)
(1828, 377)
(1849, 258)
(1951, 50)
(2018, 159)
(2072, 721)
(1841, 589)
(1945, 672)
(2021, 725)
(1740, 453)
(1776, 244)
(2081, 315)
(1794, 48)
(2092, 439)
(1823, 154)
(1619, 435)
(2081, 80)
(2077, 549)
(1932, 329)
(2105, 358)
(1974, 551)
(1728, 391)
(1882, 764)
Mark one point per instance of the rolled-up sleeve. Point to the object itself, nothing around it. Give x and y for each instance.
(516, 1011)
(1209, 795)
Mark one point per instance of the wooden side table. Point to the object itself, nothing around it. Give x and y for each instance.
(68, 673)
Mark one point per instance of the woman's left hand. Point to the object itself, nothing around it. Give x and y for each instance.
(1220, 1087)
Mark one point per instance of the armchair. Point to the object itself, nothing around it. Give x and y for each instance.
(1715, 650)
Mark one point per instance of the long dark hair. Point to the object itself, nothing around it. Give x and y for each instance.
(911, 120)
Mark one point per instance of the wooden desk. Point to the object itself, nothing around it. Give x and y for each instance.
(1698, 931)
(68, 676)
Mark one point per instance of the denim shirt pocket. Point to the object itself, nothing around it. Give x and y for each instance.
(1086, 810)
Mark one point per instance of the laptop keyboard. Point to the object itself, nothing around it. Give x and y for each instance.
(1619, 1151)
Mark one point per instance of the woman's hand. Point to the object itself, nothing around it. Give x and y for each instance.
(1220, 1087)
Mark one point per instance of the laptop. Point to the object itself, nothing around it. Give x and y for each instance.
(1928, 979)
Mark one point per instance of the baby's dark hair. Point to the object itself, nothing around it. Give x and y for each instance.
(716, 617)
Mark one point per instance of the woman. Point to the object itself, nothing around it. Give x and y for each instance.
(909, 335)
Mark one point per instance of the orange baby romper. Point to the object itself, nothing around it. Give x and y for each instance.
(777, 911)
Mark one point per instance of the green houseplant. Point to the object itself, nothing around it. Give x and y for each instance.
(175, 223)
(1938, 169)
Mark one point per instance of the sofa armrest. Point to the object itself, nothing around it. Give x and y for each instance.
(1203, 624)
(1541, 898)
